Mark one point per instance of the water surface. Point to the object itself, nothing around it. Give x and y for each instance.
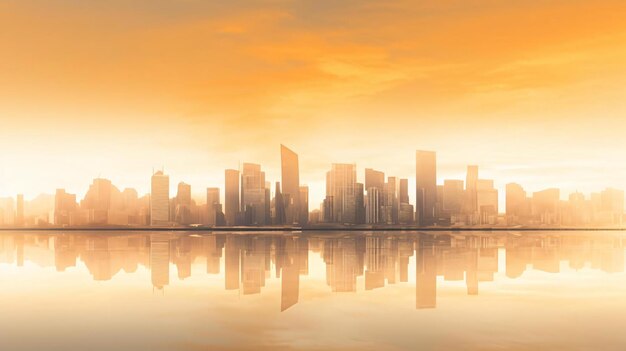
(312, 291)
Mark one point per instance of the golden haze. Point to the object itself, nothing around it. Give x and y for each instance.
(531, 91)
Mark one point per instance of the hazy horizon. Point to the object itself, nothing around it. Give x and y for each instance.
(531, 92)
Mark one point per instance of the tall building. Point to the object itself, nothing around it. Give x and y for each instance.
(403, 192)
(470, 187)
(517, 204)
(279, 206)
(19, 210)
(231, 196)
(253, 194)
(159, 199)
(374, 179)
(213, 206)
(487, 201)
(372, 206)
(290, 181)
(341, 188)
(405, 209)
(426, 187)
(304, 205)
(453, 194)
(64, 206)
(545, 206)
(182, 210)
(375, 199)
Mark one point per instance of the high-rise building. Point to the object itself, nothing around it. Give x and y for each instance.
(19, 210)
(213, 206)
(374, 179)
(375, 199)
(453, 194)
(403, 192)
(470, 187)
(517, 204)
(372, 206)
(160, 199)
(341, 188)
(487, 201)
(279, 206)
(290, 181)
(64, 206)
(253, 194)
(231, 196)
(545, 206)
(304, 205)
(426, 187)
(182, 210)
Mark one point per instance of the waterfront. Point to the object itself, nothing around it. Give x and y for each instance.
(312, 291)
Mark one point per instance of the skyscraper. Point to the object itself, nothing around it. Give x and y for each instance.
(426, 187)
(290, 181)
(213, 205)
(231, 196)
(253, 194)
(182, 210)
(19, 211)
(304, 205)
(341, 189)
(159, 199)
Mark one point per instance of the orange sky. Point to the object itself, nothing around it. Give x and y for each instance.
(532, 91)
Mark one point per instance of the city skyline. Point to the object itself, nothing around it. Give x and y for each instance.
(246, 198)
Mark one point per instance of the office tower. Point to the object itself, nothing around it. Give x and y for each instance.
(390, 201)
(253, 194)
(487, 201)
(375, 198)
(103, 204)
(279, 206)
(545, 206)
(159, 199)
(453, 195)
(403, 192)
(182, 208)
(578, 210)
(372, 206)
(359, 203)
(470, 187)
(213, 205)
(304, 205)
(341, 193)
(19, 210)
(405, 209)
(426, 187)
(231, 196)
(611, 207)
(517, 205)
(374, 179)
(290, 180)
(64, 206)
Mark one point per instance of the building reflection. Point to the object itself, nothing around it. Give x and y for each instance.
(353, 262)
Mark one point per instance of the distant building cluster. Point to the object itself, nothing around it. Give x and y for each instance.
(378, 201)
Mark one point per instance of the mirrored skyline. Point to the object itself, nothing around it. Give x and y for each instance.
(333, 290)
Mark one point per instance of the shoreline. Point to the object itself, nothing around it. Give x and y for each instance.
(308, 229)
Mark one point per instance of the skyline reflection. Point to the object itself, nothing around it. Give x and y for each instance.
(349, 262)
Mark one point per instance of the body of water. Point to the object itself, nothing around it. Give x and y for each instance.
(312, 291)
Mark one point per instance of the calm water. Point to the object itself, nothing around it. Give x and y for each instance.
(326, 291)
